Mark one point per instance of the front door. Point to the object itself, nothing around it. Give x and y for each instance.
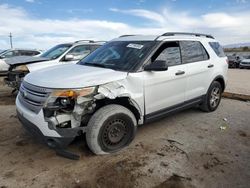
(164, 89)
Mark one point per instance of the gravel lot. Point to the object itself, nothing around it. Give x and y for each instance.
(239, 81)
(187, 149)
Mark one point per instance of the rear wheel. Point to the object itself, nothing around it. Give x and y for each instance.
(212, 98)
(110, 129)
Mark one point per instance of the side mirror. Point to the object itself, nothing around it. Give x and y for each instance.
(158, 65)
(69, 57)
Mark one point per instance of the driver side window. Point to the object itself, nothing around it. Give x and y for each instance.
(169, 52)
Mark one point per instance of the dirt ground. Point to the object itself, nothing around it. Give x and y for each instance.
(185, 150)
(238, 81)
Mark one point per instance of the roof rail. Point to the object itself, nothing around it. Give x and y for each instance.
(90, 41)
(126, 36)
(184, 33)
(100, 41)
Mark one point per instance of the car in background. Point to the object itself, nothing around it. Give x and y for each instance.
(234, 61)
(245, 63)
(14, 53)
(60, 54)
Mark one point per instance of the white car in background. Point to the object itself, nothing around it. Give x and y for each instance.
(245, 63)
(68, 53)
(6, 54)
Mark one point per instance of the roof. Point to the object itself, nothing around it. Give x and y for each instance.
(26, 49)
(166, 36)
(90, 42)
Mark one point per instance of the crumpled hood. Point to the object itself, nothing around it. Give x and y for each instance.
(73, 76)
(24, 60)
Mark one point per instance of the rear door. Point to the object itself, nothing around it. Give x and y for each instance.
(198, 70)
(164, 89)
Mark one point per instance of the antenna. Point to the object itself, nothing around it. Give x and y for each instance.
(11, 46)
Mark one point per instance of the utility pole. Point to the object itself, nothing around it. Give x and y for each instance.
(11, 40)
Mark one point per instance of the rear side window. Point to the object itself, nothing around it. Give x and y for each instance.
(193, 51)
(217, 49)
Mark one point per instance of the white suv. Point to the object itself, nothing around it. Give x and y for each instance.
(127, 82)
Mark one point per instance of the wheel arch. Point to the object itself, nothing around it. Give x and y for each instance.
(123, 101)
(221, 80)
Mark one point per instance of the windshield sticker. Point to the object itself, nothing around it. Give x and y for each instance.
(136, 46)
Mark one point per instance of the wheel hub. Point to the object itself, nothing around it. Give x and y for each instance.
(215, 97)
(114, 133)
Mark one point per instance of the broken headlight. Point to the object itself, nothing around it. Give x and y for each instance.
(65, 99)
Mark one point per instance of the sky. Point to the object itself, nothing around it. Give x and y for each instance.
(42, 24)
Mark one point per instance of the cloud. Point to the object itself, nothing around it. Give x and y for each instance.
(142, 13)
(241, 1)
(30, 32)
(228, 28)
(30, 1)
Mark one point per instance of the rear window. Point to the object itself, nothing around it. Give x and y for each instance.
(217, 49)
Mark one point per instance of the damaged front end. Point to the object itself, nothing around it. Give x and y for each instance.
(69, 110)
(15, 76)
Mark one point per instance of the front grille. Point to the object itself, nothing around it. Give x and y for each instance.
(33, 97)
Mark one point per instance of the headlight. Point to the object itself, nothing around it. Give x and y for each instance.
(73, 93)
(66, 98)
(22, 68)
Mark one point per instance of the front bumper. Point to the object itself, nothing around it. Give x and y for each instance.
(52, 142)
(245, 65)
(39, 128)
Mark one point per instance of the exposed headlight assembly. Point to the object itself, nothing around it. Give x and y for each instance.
(73, 93)
(22, 68)
(65, 99)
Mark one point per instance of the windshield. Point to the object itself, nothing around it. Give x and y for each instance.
(56, 51)
(119, 55)
(2, 52)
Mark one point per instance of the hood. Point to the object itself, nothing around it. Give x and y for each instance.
(73, 76)
(24, 60)
(45, 64)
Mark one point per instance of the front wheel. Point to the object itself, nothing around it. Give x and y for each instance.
(110, 129)
(212, 98)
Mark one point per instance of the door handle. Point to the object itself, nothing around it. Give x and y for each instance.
(179, 73)
(210, 66)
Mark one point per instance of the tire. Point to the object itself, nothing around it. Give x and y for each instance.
(110, 129)
(213, 97)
